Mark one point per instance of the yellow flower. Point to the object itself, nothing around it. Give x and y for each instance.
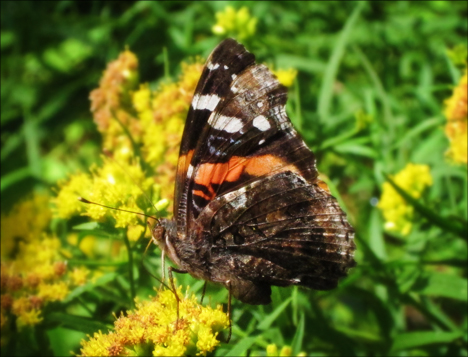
(101, 345)
(153, 328)
(286, 76)
(28, 318)
(135, 232)
(142, 99)
(66, 202)
(36, 273)
(24, 223)
(457, 118)
(286, 351)
(272, 350)
(162, 114)
(109, 185)
(79, 275)
(236, 24)
(397, 212)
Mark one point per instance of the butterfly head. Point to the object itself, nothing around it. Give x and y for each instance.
(163, 232)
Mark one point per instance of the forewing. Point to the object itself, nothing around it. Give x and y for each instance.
(230, 58)
(246, 136)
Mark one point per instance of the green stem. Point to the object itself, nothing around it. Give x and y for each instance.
(130, 269)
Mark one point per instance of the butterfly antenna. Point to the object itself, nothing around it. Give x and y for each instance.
(109, 155)
(84, 200)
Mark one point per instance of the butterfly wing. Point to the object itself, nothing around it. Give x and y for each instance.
(212, 87)
(248, 184)
(279, 230)
(244, 132)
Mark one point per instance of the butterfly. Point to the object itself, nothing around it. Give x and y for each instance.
(250, 211)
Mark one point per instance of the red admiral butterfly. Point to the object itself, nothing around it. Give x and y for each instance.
(249, 209)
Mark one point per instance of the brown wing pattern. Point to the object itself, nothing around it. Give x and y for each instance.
(280, 230)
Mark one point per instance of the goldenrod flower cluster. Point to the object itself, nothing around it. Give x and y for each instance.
(153, 329)
(239, 24)
(33, 269)
(142, 129)
(398, 214)
(457, 119)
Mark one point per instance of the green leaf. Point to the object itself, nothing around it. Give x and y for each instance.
(15, 176)
(77, 323)
(376, 241)
(326, 90)
(88, 226)
(356, 149)
(413, 133)
(338, 140)
(102, 280)
(431, 310)
(407, 277)
(305, 64)
(417, 339)
(242, 346)
(266, 323)
(296, 344)
(441, 284)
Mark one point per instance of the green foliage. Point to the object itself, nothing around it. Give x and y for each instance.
(368, 99)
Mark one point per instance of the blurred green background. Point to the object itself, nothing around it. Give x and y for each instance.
(368, 99)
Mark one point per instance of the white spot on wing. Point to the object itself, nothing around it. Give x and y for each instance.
(212, 66)
(190, 171)
(261, 142)
(208, 101)
(259, 104)
(234, 89)
(233, 76)
(226, 67)
(195, 100)
(229, 124)
(261, 123)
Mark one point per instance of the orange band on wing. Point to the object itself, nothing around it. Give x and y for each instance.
(203, 195)
(209, 174)
(183, 164)
(265, 164)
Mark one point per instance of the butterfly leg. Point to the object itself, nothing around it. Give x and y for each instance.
(171, 279)
(203, 292)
